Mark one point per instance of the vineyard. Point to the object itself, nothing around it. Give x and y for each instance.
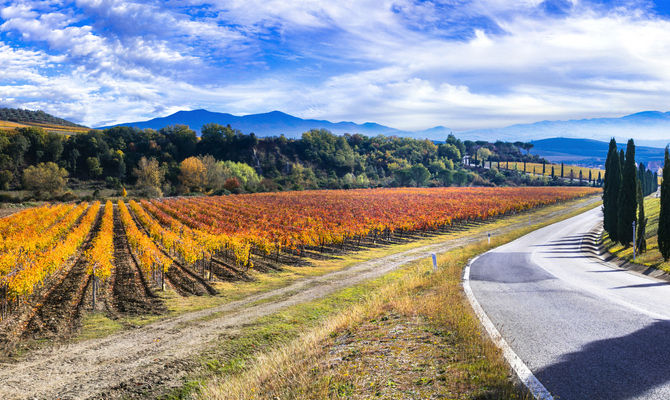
(68, 130)
(56, 260)
(568, 171)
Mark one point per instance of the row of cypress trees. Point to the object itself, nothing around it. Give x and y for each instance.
(664, 216)
(623, 196)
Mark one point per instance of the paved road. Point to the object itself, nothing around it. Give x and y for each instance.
(587, 330)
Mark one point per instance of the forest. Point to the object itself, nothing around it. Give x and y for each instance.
(221, 160)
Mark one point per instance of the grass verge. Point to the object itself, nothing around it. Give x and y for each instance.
(652, 257)
(408, 334)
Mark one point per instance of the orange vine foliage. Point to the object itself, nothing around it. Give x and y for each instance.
(292, 220)
(35, 243)
(148, 255)
(101, 253)
(59, 242)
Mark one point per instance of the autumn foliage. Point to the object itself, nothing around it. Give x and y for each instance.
(38, 242)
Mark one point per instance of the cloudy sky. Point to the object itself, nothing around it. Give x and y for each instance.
(464, 64)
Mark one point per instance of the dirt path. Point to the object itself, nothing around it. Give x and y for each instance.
(130, 294)
(91, 368)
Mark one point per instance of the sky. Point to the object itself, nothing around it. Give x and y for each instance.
(463, 64)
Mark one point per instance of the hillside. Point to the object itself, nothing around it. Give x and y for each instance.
(34, 117)
(589, 152)
(650, 125)
(274, 123)
(11, 118)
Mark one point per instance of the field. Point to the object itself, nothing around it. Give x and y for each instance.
(568, 170)
(68, 130)
(58, 260)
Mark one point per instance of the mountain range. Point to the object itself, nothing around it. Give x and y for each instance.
(274, 123)
(589, 152)
(649, 127)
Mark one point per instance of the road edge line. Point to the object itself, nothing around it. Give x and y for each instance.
(525, 375)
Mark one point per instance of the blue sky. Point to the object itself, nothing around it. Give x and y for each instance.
(464, 64)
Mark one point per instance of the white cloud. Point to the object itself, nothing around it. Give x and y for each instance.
(402, 63)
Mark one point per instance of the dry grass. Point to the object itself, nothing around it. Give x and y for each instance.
(414, 336)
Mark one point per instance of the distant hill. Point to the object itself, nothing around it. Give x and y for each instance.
(654, 126)
(33, 117)
(273, 123)
(589, 152)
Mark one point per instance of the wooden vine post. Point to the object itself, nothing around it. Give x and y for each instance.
(4, 305)
(95, 286)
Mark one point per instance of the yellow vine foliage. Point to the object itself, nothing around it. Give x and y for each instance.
(101, 253)
(148, 255)
(34, 267)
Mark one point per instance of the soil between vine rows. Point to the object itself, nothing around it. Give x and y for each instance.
(159, 354)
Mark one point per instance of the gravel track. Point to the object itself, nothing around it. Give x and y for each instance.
(102, 368)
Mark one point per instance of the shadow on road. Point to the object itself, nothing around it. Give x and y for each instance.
(619, 368)
(643, 285)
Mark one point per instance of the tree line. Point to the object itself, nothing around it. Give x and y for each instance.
(625, 186)
(118, 156)
(319, 159)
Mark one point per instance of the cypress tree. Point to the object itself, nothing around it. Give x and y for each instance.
(627, 204)
(641, 239)
(610, 195)
(664, 215)
(614, 184)
(561, 169)
(544, 165)
(590, 177)
(552, 172)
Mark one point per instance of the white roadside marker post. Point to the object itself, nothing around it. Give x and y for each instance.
(434, 262)
(489, 237)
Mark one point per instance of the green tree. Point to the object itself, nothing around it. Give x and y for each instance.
(641, 239)
(6, 178)
(420, 174)
(627, 203)
(483, 154)
(664, 215)
(243, 172)
(93, 167)
(45, 178)
(611, 191)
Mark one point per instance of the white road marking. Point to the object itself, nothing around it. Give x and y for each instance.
(524, 373)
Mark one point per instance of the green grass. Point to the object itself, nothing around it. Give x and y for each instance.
(652, 257)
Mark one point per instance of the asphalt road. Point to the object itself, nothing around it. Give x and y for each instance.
(586, 329)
